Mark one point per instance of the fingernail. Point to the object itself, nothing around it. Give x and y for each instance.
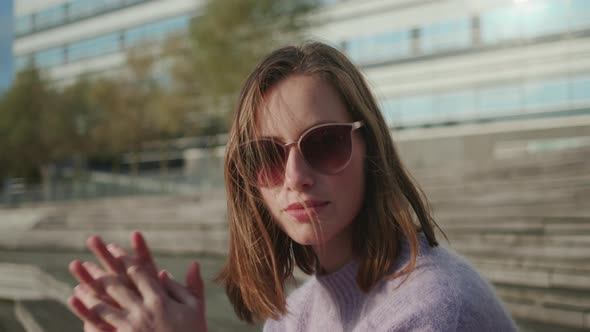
(81, 288)
(170, 276)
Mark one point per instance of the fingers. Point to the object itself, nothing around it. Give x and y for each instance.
(194, 282)
(120, 254)
(144, 255)
(116, 251)
(94, 270)
(101, 252)
(114, 287)
(176, 290)
(81, 274)
(78, 307)
(88, 327)
(95, 311)
(133, 273)
(148, 286)
(88, 274)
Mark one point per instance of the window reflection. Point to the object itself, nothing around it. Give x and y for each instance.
(456, 104)
(545, 93)
(506, 99)
(580, 88)
(66, 12)
(23, 24)
(156, 31)
(579, 14)
(499, 25)
(112, 42)
(50, 17)
(380, 47)
(446, 35)
(418, 108)
(93, 47)
(48, 58)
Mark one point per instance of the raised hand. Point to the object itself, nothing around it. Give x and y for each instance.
(129, 295)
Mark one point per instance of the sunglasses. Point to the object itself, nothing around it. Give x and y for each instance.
(326, 148)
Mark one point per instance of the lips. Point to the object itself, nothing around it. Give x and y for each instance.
(308, 204)
(306, 211)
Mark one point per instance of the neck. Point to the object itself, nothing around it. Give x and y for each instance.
(335, 253)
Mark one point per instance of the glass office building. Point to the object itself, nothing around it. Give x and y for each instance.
(69, 38)
(445, 62)
(430, 62)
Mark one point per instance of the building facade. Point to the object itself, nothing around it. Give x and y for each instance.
(67, 38)
(430, 62)
(440, 62)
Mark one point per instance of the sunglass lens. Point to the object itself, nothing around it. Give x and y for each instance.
(270, 162)
(328, 148)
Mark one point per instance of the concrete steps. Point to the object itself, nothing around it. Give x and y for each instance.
(8, 320)
(525, 224)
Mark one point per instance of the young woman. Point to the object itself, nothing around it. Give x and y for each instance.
(313, 181)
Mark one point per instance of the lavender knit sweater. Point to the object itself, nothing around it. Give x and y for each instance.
(444, 293)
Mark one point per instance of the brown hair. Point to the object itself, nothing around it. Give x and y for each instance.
(261, 256)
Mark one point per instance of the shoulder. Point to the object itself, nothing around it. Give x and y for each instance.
(443, 293)
(479, 307)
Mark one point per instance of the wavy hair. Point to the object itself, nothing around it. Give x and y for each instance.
(261, 256)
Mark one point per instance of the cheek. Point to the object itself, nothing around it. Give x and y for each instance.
(269, 178)
(269, 196)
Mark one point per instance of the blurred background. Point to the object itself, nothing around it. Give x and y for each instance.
(114, 114)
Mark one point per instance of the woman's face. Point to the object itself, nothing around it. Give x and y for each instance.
(332, 201)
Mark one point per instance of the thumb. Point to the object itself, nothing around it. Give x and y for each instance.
(194, 282)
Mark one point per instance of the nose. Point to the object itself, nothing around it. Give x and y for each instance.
(298, 175)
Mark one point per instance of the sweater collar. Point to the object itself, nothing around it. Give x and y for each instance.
(341, 287)
(342, 282)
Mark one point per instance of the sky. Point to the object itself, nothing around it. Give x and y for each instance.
(5, 44)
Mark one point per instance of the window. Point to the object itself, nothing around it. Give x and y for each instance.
(23, 25)
(94, 47)
(82, 8)
(546, 93)
(50, 17)
(500, 99)
(391, 110)
(156, 31)
(111, 4)
(456, 104)
(419, 108)
(49, 58)
(580, 88)
(446, 35)
(500, 25)
(381, 47)
(544, 17)
(580, 14)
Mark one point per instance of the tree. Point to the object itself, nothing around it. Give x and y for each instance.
(41, 126)
(224, 45)
(25, 107)
(129, 108)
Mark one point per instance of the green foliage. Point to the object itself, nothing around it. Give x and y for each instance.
(228, 40)
(41, 125)
(29, 122)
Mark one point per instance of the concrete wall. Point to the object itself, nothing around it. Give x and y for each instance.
(480, 144)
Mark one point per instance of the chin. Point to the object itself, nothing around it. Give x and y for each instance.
(307, 238)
